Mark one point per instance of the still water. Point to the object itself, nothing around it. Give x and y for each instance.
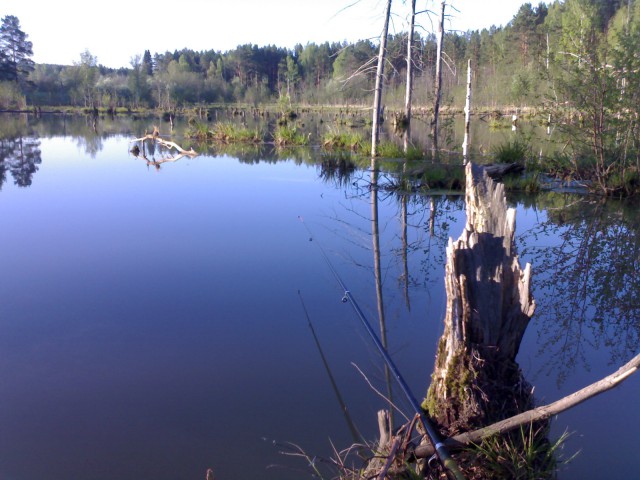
(153, 325)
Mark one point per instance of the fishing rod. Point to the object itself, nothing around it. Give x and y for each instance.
(450, 465)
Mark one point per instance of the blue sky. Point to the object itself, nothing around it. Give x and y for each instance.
(116, 30)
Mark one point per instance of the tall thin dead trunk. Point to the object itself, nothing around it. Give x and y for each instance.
(377, 97)
(409, 90)
(438, 84)
(467, 115)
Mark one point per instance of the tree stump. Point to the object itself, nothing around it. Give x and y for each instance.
(476, 380)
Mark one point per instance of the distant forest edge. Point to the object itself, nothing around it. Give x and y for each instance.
(576, 61)
(513, 68)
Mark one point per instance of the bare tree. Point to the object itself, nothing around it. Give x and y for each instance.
(409, 91)
(377, 98)
(467, 115)
(438, 83)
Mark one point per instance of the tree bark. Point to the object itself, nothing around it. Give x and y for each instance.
(476, 380)
(409, 90)
(467, 115)
(377, 97)
(438, 84)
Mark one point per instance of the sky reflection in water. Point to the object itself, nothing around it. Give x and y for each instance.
(150, 323)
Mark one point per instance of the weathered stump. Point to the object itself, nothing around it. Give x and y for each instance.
(476, 380)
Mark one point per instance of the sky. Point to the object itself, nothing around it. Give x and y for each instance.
(115, 31)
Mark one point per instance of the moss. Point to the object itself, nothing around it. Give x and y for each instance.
(456, 383)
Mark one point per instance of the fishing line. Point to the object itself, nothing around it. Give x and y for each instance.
(442, 452)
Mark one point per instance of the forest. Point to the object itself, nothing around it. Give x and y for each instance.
(574, 60)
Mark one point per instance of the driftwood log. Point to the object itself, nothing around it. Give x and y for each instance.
(155, 137)
(476, 380)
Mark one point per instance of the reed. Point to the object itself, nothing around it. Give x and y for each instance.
(343, 140)
(286, 135)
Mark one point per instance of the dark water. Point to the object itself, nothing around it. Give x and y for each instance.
(152, 320)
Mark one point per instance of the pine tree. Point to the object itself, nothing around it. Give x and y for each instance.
(147, 63)
(15, 51)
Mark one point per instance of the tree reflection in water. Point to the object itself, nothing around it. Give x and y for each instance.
(586, 255)
(19, 156)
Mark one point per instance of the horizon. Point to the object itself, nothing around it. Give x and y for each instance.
(128, 29)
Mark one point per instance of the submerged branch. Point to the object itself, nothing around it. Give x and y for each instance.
(537, 414)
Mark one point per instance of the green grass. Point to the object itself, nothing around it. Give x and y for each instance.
(512, 151)
(498, 124)
(523, 183)
(447, 177)
(347, 140)
(526, 454)
(390, 150)
(224, 132)
(414, 153)
(286, 135)
(199, 131)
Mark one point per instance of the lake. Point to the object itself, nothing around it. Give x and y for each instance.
(161, 318)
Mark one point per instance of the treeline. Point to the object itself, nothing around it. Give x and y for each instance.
(575, 60)
(507, 65)
(328, 73)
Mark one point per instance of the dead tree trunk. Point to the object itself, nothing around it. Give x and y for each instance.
(467, 115)
(409, 90)
(476, 380)
(377, 97)
(438, 86)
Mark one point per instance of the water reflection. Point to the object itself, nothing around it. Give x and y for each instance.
(337, 169)
(20, 157)
(587, 253)
(201, 354)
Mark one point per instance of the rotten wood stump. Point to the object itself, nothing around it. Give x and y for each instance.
(476, 380)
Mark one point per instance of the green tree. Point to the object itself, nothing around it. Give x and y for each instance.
(593, 88)
(138, 82)
(290, 72)
(354, 71)
(626, 121)
(147, 63)
(15, 51)
(84, 77)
